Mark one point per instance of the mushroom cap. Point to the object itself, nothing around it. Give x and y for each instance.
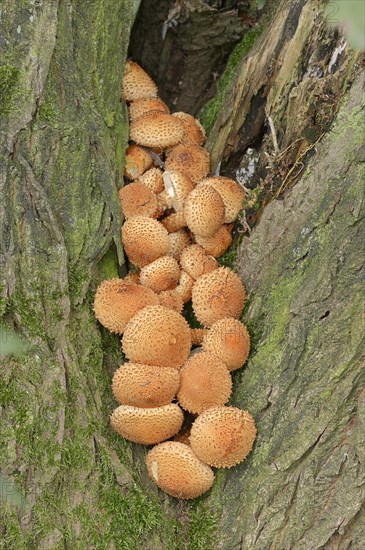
(185, 286)
(178, 187)
(203, 383)
(153, 179)
(223, 436)
(145, 386)
(162, 274)
(197, 335)
(174, 222)
(229, 340)
(216, 244)
(156, 129)
(171, 299)
(178, 240)
(192, 160)
(176, 470)
(204, 211)
(232, 195)
(132, 277)
(145, 105)
(136, 83)
(137, 200)
(147, 426)
(196, 262)
(218, 294)
(157, 336)
(144, 240)
(194, 132)
(117, 301)
(137, 161)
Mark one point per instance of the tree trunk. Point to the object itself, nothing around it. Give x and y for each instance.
(68, 481)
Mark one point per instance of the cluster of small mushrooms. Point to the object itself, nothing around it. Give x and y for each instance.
(178, 220)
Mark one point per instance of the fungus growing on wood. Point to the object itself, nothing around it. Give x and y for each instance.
(229, 340)
(144, 240)
(162, 274)
(147, 426)
(194, 133)
(145, 386)
(232, 195)
(137, 161)
(216, 295)
(177, 188)
(185, 286)
(191, 160)
(174, 222)
(196, 262)
(117, 301)
(223, 436)
(157, 336)
(204, 211)
(216, 244)
(153, 179)
(156, 129)
(204, 382)
(145, 105)
(176, 470)
(137, 200)
(178, 240)
(171, 299)
(137, 84)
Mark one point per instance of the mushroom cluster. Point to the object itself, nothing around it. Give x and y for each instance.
(178, 220)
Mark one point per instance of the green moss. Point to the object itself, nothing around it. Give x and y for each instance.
(202, 534)
(9, 76)
(210, 111)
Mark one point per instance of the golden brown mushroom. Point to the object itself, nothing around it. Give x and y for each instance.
(176, 470)
(229, 340)
(147, 426)
(144, 240)
(136, 83)
(223, 436)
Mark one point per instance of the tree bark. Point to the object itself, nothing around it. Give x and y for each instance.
(67, 480)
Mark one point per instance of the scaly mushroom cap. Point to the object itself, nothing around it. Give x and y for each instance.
(178, 187)
(144, 240)
(137, 200)
(147, 426)
(216, 295)
(156, 129)
(157, 336)
(142, 106)
(117, 301)
(153, 180)
(229, 340)
(191, 160)
(178, 240)
(197, 335)
(203, 383)
(136, 83)
(162, 274)
(137, 161)
(176, 470)
(196, 262)
(217, 244)
(232, 195)
(223, 436)
(145, 385)
(204, 211)
(171, 299)
(174, 222)
(185, 286)
(194, 133)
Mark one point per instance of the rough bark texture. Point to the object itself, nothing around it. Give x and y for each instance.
(67, 481)
(304, 485)
(183, 45)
